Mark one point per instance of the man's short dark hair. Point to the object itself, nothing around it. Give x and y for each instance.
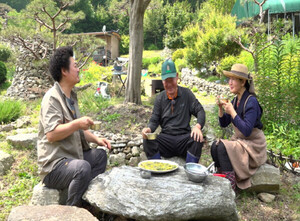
(60, 59)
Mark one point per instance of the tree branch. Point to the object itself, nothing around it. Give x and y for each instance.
(28, 48)
(87, 59)
(146, 3)
(239, 42)
(266, 46)
(61, 24)
(37, 18)
(60, 9)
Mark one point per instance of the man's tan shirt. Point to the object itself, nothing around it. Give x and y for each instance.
(55, 111)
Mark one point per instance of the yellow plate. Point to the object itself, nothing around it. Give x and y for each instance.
(158, 166)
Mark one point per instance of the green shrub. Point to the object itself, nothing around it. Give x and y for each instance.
(178, 54)
(283, 138)
(152, 47)
(194, 89)
(155, 68)
(180, 63)
(213, 78)
(3, 72)
(95, 73)
(148, 61)
(124, 46)
(10, 110)
(4, 53)
(226, 63)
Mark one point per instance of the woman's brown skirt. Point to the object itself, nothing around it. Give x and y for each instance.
(246, 154)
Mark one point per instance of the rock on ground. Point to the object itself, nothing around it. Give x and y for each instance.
(121, 191)
(23, 140)
(50, 213)
(45, 196)
(266, 197)
(266, 179)
(6, 160)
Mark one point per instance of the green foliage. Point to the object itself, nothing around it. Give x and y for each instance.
(226, 63)
(194, 89)
(178, 54)
(177, 17)
(211, 39)
(10, 110)
(152, 60)
(154, 21)
(278, 80)
(180, 63)
(283, 138)
(4, 53)
(95, 73)
(89, 104)
(124, 45)
(3, 72)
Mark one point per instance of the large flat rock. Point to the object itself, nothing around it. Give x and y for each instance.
(23, 140)
(52, 212)
(121, 191)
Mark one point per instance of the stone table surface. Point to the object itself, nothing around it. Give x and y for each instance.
(171, 196)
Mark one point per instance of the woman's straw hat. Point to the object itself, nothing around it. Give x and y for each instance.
(238, 71)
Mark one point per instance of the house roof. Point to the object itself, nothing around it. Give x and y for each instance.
(247, 8)
(109, 33)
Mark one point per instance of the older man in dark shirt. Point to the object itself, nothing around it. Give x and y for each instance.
(172, 111)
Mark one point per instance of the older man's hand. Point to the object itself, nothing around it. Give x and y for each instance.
(197, 133)
(145, 131)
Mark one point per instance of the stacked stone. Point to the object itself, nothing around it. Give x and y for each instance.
(188, 78)
(124, 149)
(30, 81)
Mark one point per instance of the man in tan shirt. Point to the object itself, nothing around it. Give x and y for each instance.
(64, 157)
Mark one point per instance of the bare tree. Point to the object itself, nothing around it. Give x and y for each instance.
(136, 45)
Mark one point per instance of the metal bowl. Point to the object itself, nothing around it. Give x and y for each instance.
(195, 172)
(151, 136)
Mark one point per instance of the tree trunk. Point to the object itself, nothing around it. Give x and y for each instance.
(136, 45)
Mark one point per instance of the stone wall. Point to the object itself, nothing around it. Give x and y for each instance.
(189, 78)
(31, 79)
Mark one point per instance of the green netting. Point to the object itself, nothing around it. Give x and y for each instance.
(247, 8)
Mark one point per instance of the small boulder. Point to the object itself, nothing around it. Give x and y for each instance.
(43, 195)
(117, 159)
(6, 160)
(50, 212)
(266, 179)
(266, 197)
(23, 140)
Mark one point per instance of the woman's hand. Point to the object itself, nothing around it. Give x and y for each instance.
(228, 108)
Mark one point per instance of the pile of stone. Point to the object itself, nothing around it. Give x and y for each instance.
(30, 81)
(189, 78)
(124, 149)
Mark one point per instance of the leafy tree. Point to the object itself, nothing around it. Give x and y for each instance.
(154, 22)
(253, 37)
(3, 72)
(177, 17)
(39, 29)
(210, 40)
(16, 4)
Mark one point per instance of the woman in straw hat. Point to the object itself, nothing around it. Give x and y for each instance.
(239, 157)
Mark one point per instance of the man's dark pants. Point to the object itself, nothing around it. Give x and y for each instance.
(173, 145)
(76, 174)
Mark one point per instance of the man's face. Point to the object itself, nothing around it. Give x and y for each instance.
(72, 75)
(170, 85)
